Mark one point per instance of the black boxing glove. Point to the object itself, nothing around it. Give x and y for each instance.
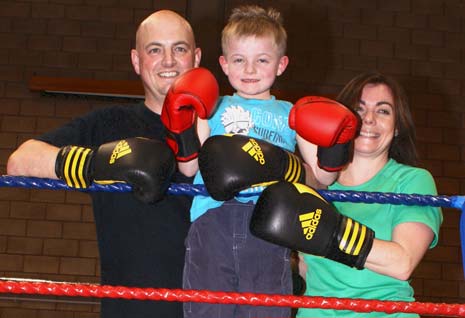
(231, 163)
(297, 217)
(146, 164)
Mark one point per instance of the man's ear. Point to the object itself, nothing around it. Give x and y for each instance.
(135, 61)
(197, 56)
(283, 62)
(223, 64)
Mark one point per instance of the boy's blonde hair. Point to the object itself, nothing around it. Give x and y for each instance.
(252, 20)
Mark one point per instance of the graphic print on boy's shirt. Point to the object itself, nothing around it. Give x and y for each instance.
(236, 120)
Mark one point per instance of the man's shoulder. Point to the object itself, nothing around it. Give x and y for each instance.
(115, 110)
(109, 116)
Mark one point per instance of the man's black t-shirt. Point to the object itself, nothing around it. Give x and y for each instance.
(139, 244)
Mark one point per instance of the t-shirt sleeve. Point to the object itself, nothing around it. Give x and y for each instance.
(79, 132)
(64, 135)
(420, 181)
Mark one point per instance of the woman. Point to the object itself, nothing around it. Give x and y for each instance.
(383, 161)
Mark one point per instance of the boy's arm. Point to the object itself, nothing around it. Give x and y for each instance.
(191, 167)
(192, 97)
(329, 125)
(315, 176)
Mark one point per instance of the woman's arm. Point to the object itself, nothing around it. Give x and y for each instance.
(399, 258)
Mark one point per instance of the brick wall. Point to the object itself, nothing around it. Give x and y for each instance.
(51, 235)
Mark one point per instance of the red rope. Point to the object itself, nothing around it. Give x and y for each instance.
(204, 296)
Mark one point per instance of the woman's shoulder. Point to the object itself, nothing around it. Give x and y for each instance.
(401, 169)
(410, 177)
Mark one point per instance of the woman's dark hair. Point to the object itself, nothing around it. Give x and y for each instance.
(402, 148)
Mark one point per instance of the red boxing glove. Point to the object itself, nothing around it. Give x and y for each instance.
(328, 124)
(193, 93)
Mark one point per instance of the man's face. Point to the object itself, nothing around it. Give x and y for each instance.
(165, 49)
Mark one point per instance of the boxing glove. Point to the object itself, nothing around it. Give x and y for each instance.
(147, 165)
(328, 124)
(193, 93)
(231, 163)
(297, 217)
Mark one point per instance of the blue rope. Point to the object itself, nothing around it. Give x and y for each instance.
(457, 202)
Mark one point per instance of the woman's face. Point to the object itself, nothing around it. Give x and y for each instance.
(376, 109)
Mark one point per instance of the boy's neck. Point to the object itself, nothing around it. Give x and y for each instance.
(262, 96)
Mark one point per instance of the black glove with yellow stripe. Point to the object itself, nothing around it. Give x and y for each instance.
(231, 163)
(146, 164)
(297, 217)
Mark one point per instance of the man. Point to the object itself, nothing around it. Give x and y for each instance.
(140, 244)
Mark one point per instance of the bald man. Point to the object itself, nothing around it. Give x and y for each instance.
(139, 244)
(162, 54)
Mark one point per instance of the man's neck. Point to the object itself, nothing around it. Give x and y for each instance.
(154, 105)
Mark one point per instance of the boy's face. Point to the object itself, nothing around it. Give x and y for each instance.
(252, 65)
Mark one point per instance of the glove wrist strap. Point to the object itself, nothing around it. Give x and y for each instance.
(352, 244)
(73, 165)
(187, 144)
(295, 170)
(335, 157)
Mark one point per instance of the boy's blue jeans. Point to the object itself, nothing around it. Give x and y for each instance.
(222, 255)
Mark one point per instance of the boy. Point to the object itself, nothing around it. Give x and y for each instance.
(221, 253)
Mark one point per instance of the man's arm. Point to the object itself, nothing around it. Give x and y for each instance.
(33, 158)
(148, 175)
